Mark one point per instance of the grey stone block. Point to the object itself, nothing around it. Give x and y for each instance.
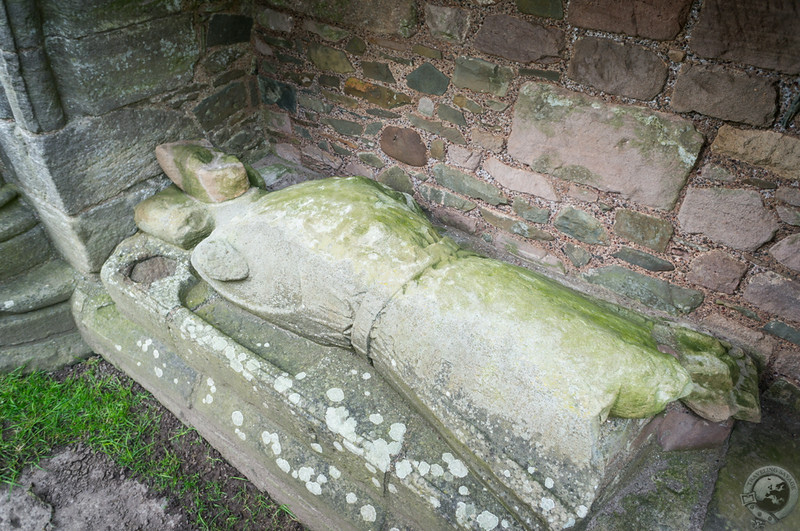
(35, 326)
(87, 239)
(45, 285)
(56, 170)
(23, 252)
(77, 18)
(15, 218)
(104, 71)
(45, 355)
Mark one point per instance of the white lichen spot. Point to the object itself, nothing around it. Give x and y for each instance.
(351, 498)
(316, 447)
(397, 431)
(314, 488)
(321, 479)
(138, 363)
(282, 383)
(294, 474)
(455, 466)
(392, 489)
(378, 453)
(548, 483)
(283, 464)
(366, 393)
(352, 448)
(376, 418)
(159, 372)
(305, 473)
(368, 513)
(338, 446)
(376, 483)
(547, 504)
(504, 524)
(353, 372)
(531, 470)
(339, 421)
(300, 376)
(370, 467)
(10, 304)
(175, 381)
(403, 468)
(570, 523)
(237, 418)
(239, 433)
(155, 353)
(366, 376)
(118, 347)
(507, 473)
(294, 398)
(334, 472)
(437, 470)
(218, 343)
(423, 468)
(394, 363)
(435, 502)
(487, 520)
(208, 399)
(581, 511)
(464, 491)
(335, 394)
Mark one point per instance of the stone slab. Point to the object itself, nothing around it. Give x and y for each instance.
(787, 252)
(36, 325)
(215, 110)
(445, 198)
(437, 128)
(38, 287)
(717, 270)
(47, 355)
(734, 217)
(620, 69)
(375, 94)
(329, 59)
(104, 71)
(482, 76)
(15, 218)
(86, 240)
(773, 293)
(23, 252)
(428, 79)
(384, 17)
(643, 259)
(468, 185)
(774, 151)
(450, 24)
(645, 156)
(659, 19)
(511, 38)
(405, 145)
(397, 179)
(725, 94)
(581, 225)
(78, 18)
(651, 292)
(520, 180)
(762, 34)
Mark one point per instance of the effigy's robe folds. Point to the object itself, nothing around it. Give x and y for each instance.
(365, 369)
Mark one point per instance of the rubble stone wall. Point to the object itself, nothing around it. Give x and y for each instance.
(650, 148)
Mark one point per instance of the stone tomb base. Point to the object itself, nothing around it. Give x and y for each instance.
(315, 426)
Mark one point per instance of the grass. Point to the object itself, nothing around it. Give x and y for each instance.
(40, 413)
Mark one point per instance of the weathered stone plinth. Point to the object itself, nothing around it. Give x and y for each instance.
(364, 370)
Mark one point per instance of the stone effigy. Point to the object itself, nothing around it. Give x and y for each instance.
(526, 384)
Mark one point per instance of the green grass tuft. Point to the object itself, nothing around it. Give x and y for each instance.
(39, 414)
